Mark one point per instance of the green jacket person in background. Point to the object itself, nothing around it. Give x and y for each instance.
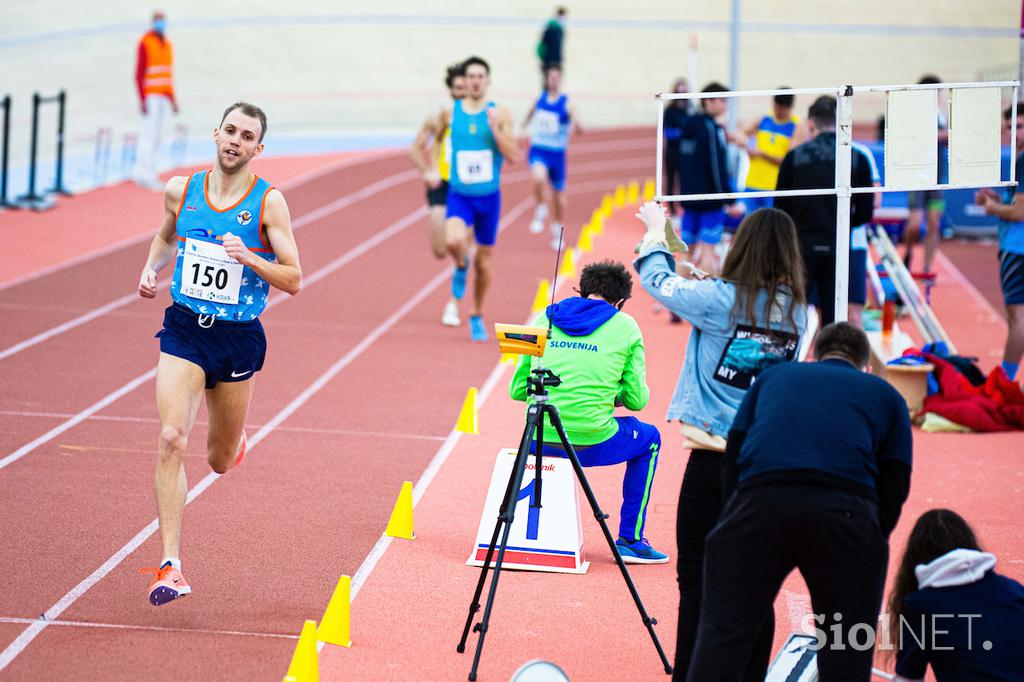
(598, 351)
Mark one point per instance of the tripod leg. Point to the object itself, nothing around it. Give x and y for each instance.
(507, 506)
(601, 517)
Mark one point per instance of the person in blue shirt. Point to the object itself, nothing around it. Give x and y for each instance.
(1009, 208)
(230, 236)
(950, 610)
(551, 119)
(747, 321)
(816, 471)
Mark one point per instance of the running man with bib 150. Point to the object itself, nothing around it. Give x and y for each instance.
(431, 153)
(551, 120)
(231, 235)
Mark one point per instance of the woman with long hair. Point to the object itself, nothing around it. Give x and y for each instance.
(951, 610)
(749, 318)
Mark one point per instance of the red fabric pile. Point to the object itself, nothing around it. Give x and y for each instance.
(997, 405)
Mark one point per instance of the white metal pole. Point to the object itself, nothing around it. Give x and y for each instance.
(660, 146)
(844, 164)
(692, 66)
(1013, 128)
(734, 62)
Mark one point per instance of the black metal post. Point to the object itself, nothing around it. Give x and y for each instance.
(31, 198)
(6, 104)
(58, 182)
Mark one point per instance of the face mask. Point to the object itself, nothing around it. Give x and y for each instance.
(159, 25)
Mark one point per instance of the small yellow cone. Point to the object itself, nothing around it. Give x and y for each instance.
(607, 204)
(541, 298)
(633, 192)
(509, 357)
(467, 417)
(620, 196)
(304, 666)
(334, 626)
(597, 223)
(585, 244)
(568, 268)
(649, 190)
(400, 523)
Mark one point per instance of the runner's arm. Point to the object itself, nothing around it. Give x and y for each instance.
(285, 274)
(164, 246)
(1011, 213)
(574, 121)
(426, 139)
(529, 117)
(504, 134)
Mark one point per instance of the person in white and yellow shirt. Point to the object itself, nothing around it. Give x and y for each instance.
(768, 141)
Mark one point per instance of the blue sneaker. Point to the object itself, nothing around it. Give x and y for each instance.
(639, 552)
(459, 280)
(477, 331)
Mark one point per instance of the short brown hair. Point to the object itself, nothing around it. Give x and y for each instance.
(846, 340)
(248, 110)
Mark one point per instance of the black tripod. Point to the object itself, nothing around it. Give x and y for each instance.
(536, 386)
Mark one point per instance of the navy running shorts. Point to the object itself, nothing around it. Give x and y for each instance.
(227, 351)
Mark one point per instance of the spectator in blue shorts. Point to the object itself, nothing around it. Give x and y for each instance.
(1010, 211)
(703, 170)
(551, 119)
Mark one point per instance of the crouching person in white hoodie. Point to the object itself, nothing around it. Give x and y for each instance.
(951, 610)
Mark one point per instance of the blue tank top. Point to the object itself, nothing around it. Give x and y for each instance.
(206, 280)
(550, 125)
(476, 161)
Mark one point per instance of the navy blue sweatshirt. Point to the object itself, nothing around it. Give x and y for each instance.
(702, 166)
(825, 423)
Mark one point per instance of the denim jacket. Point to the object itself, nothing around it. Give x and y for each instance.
(724, 354)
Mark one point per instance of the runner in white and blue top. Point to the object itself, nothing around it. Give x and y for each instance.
(230, 235)
(551, 120)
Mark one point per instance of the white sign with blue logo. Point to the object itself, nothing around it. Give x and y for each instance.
(209, 273)
(549, 538)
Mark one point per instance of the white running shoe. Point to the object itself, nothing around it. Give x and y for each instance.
(450, 316)
(540, 214)
(556, 236)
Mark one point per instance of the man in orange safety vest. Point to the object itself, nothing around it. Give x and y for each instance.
(154, 76)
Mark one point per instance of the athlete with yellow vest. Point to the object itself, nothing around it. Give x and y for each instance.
(768, 141)
(230, 235)
(431, 153)
(154, 78)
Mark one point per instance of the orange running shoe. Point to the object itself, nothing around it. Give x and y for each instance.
(241, 448)
(168, 584)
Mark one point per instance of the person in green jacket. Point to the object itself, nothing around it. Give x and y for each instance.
(598, 352)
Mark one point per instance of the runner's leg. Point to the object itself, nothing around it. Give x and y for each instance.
(228, 405)
(438, 232)
(179, 392)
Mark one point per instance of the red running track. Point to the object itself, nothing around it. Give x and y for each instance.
(362, 385)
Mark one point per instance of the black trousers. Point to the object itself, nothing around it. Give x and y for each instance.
(700, 504)
(832, 537)
(820, 272)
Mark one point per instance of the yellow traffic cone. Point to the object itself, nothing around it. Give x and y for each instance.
(542, 298)
(597, 223)
(585, 244)
(304, 666)
(633, 192)
(400, 523)
(334, 626)
(467, 416)
(620, 196)
(568, 267)
(607, 204)
(649, 190)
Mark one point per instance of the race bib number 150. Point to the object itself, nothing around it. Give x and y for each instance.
(209, 273)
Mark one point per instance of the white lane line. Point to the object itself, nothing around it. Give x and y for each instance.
(962, 280)
(150, 628)
(305, 219)
(32, 631)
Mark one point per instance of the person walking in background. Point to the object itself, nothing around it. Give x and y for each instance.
(768, 141)
(744, 323)
(949, 608)
(549, 49)
(816, 471)
(154, 77)
(1010, 211)
(927, 206)
(812, 165)
(675, 114)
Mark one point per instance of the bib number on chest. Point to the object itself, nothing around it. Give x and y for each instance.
(475, 166)
(209, 273)
(546, 123)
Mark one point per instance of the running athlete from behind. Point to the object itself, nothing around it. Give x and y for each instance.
(231, 235)
(431, 153)
(553, 119)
